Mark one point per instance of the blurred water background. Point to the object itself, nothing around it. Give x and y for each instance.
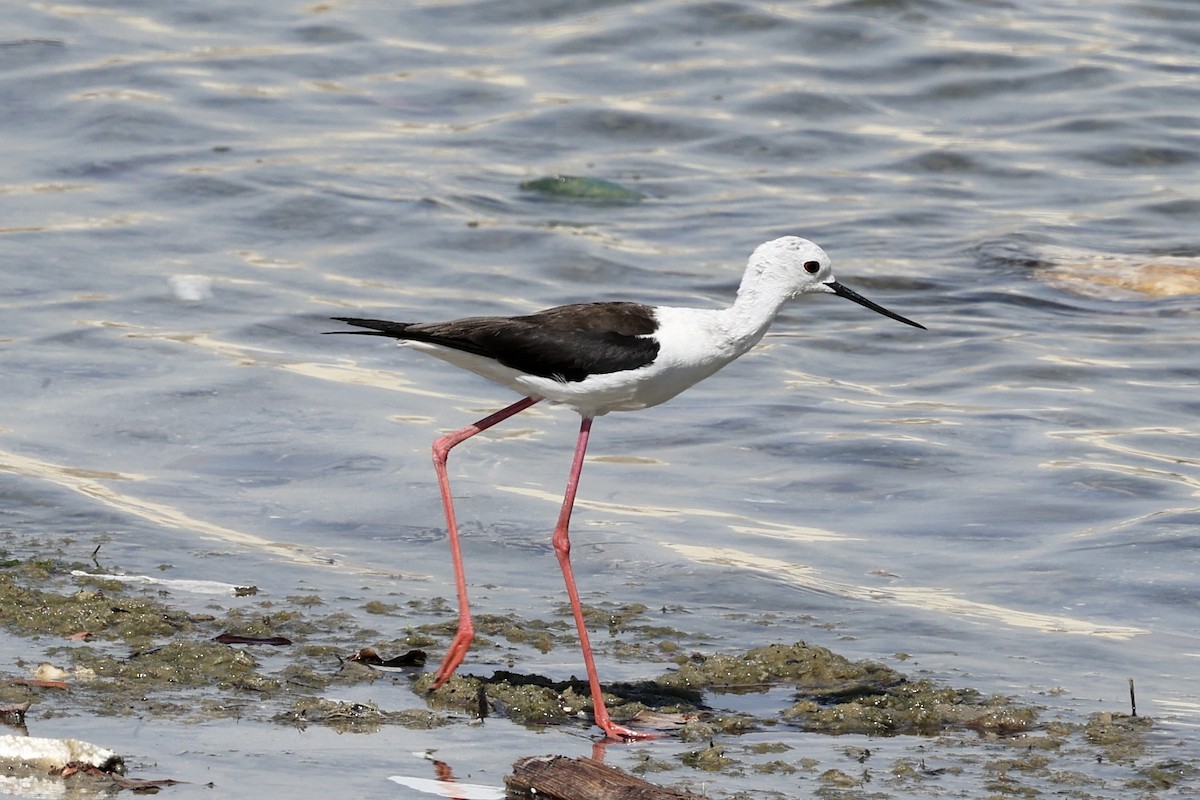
(190, 190)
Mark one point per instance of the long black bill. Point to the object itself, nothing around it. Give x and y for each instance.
(850, 294)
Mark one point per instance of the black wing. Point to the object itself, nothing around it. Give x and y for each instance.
(566, 343)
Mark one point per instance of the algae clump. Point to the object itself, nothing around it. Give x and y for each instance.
(575, 187)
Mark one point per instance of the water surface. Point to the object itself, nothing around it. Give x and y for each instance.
(1009, 498)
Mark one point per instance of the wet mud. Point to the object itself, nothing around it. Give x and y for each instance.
(127, 650)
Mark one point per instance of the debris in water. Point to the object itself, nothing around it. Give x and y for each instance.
(1110, 276)
(574, 187)
(233, 638)
(563, 778)
(14, 713)
(182, 585)
(46, 755)
(368, 657)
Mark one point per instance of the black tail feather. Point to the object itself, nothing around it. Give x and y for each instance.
(378, 327)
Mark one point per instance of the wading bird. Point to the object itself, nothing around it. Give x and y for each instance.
(602, 357)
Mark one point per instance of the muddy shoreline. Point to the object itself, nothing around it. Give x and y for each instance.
(113, 647)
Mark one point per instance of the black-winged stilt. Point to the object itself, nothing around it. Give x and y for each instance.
(602, 357)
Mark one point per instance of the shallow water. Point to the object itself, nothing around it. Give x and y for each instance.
(1009, 498)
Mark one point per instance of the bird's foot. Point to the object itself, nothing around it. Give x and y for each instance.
(620, 733)
(454, 655)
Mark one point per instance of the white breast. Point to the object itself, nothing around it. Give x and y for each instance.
(693, 344)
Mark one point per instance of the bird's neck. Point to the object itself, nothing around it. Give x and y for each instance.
(753, 311)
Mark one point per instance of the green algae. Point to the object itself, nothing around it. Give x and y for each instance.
(708, 759)
(776, 767)
(578, 188)
(817, 670)
(33, 612)
(180, 663)
(1163, 775)
(129, 652)
(346, 717)
(838, 779)
(525, 699)
(166, 650)
(381, 608)
(840, 696)
(145, 658)
(1120, 737)
(913, 708)
(491, 627)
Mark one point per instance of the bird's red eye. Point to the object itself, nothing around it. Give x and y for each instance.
(812, 267)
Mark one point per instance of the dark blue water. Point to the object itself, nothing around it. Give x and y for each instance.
(1010, 498)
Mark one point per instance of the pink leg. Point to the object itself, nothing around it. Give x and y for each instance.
(562, 549)
(441, 451)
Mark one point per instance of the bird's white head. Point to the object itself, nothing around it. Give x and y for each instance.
(790, 266)
(794, 265)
